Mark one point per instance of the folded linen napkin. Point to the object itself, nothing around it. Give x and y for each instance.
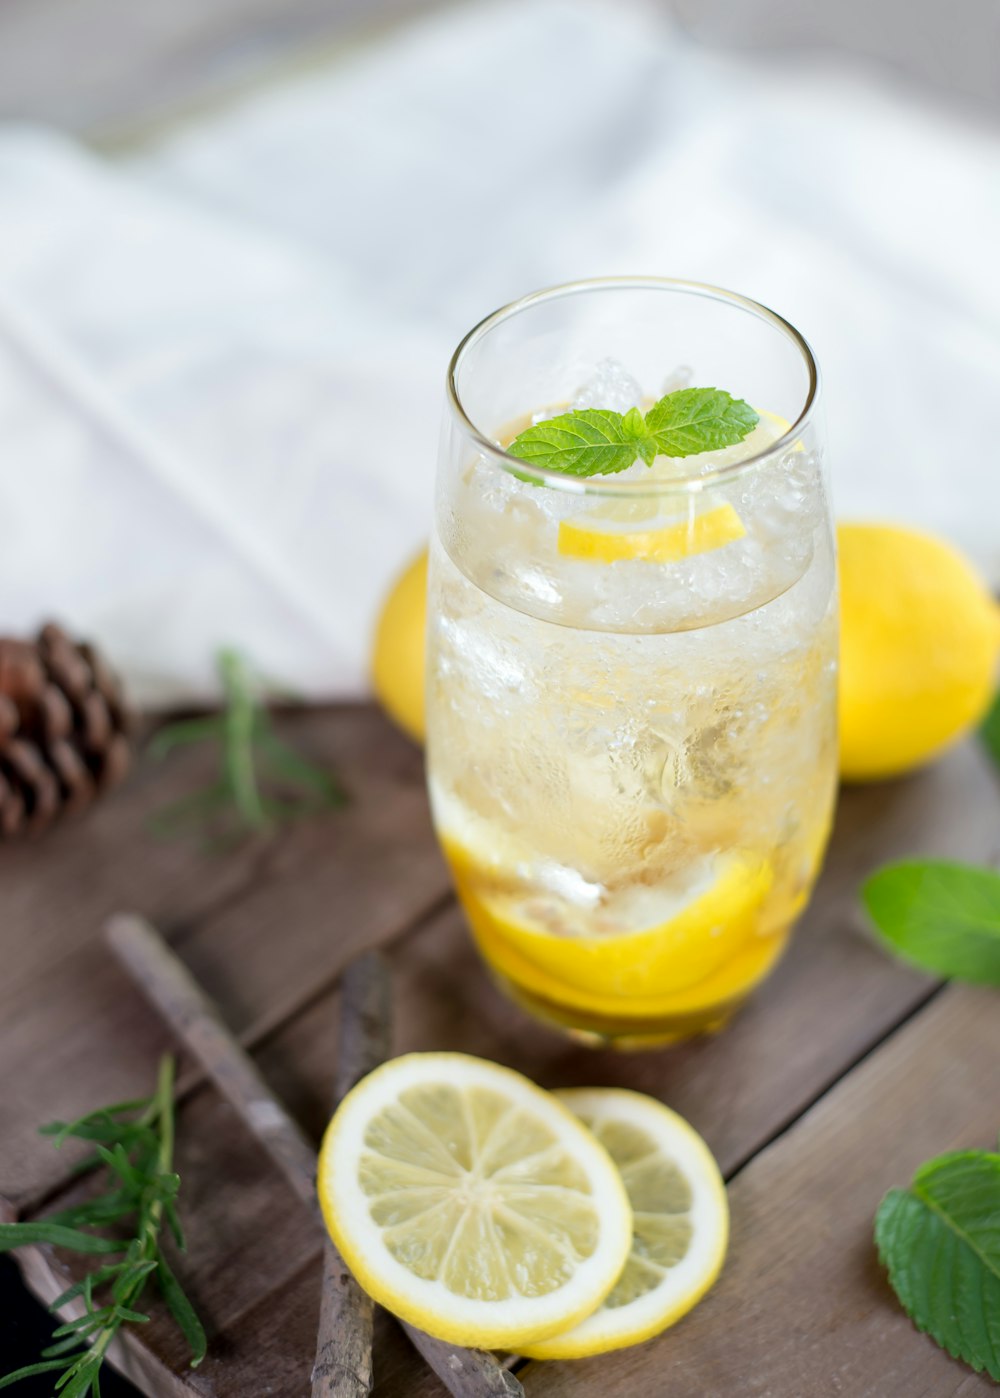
(222, 358)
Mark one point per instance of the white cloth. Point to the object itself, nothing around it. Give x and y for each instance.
(221, 359)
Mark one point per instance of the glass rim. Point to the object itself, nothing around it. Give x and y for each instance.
(683, 483)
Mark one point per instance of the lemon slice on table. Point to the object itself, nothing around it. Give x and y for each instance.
(471, 1203)
(627, 529)
(681, 1226)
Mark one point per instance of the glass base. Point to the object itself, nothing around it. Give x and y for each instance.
(625, 1033)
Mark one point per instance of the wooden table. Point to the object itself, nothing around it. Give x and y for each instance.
(842, 1075)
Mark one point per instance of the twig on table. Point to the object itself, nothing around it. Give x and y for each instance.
(168, 984)
(344, 1339)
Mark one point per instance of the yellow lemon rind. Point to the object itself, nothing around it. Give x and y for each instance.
(583, 538)
(656, 1311)
(398, 659)
(427, 1304)
(920, 642)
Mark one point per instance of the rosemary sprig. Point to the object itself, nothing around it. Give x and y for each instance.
(135, 1141)
(261, 783)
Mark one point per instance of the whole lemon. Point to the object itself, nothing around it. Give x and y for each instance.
(920, 638)
(398, 655)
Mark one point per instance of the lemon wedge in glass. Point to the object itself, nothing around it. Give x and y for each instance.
(681, 1226)
(471, 1203)
(668, 952)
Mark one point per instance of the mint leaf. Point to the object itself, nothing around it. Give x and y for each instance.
(635, 429)
(699, 419)
(592, 442)
(939, 916)
(940, 1241)
(599, 442)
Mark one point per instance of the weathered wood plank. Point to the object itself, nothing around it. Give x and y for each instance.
(58, 890)
(98, 67)
(835, 997)
(803, 1305)
(291, 913)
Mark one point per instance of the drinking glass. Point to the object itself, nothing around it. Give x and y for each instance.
(632, 678)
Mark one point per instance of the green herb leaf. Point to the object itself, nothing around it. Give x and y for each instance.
(940, 917)
(96, 1278)
(940, 1240)
(693, 420)
(592, 442)
(30, 1370)
(63, 1347)
(144, 1187)
(250, 756)
(19, 1235)
(599, 442)
(81, 1381)
(182, 1311)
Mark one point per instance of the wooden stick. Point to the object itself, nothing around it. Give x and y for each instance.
(168, 984)
(344, 1340)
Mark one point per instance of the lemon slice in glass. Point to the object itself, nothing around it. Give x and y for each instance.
(667, 530)
(627, 529)
(471, 1203)
(672, 940)
(681, 1226)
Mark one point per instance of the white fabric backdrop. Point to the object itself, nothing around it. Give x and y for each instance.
(221, 359)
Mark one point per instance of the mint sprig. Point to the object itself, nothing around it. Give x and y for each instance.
(939, 916)
(940, 1241)
(600, 442)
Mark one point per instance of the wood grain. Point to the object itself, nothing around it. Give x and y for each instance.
(264, 928)
(803, 1303)
(270, 933)
(346, 1313)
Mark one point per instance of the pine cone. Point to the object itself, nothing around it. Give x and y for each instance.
(64, 730)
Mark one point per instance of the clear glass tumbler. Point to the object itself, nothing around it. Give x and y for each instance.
(632, 678)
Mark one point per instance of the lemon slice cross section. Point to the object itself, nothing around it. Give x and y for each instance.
(681, 1227)
(470, 1202)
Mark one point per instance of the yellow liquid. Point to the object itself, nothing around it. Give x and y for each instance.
(683, 976)
(634, 810)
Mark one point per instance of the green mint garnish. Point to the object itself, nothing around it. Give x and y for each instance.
(940, 917)
(940, 1242)
(599, 442)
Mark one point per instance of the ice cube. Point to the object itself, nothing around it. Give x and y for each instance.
(610, 386)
